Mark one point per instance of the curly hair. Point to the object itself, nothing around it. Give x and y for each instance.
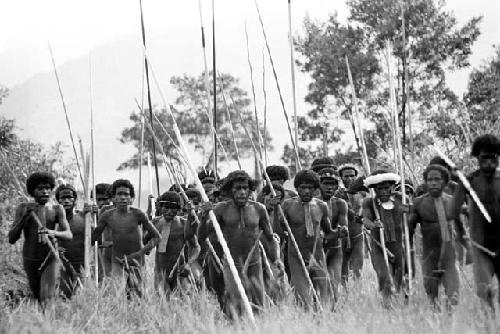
(122, 183)
(170, 200)
(208, 176)
(65, 187)
(323, 162)
(238, 176)
(277, 188)
(102, 189)
(306, 176)
(444, 172)
(488, 143)
(344, 167)
(39, 178)
(277, 172)
(193, 194)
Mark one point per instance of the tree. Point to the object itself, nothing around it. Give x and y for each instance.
(482, 98)
(434, 44)
(190, 112)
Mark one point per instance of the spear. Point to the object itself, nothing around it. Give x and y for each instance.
(399, 149)
(213, 218)
(92, 158)
(282, 214)
(141, 147)
(292, 70)
(228, 114)
(143, 31)
(150, 177)
(68, 123)
(214, 79)
(294, 144)
(365, 160)
(259, 138)
(265, 104)
(206, 75)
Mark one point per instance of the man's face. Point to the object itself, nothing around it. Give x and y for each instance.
(328, 187)
(268, 197)
(41, 193)
(122, 197)
(240, 192)
(306, 191)
(67, 199)
(196, 203)
(435, 183)
(169, 213)
(383, 191)
(278, 181)
(488, 162)
(102, 200)
(348, 176)
(208, 187)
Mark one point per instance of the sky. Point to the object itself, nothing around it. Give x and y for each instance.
(75, 27)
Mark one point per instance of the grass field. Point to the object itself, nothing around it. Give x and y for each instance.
(106, 310)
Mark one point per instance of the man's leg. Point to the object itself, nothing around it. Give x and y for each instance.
(49, 280)
(33, 276)
(483, 274)
(321, 282)
(299, 281)
(255, 285)
(334, 259)
(430, 273)
(357, 255)
(385, 283)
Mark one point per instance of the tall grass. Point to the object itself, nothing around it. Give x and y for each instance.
(107, 310)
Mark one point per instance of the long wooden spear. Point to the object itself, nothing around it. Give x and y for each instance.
(214, 83)
(92, 168)
(228, 114)
(365, 160)
(68, 123)
(294, 144)
(259, 138)
(206, 74)
(141, 143)
(292, 70)
(282, 214)
(150, 105)
(264, 94)
(399, 149)
(217, 228)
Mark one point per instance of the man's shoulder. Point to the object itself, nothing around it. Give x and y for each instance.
(257, 205)
(338, 201)
(291, 193)
(319, 202)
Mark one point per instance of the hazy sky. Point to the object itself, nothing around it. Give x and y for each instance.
(74, 27)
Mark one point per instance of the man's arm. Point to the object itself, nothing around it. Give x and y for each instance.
(414, 218)
(270, 244)
(64, 231)
(458, 199)
(19, 222)
(102, 222)
(343, 210)
(151, 230)
(367, 213)
(326, 225)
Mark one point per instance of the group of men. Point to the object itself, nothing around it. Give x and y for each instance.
(313, 238)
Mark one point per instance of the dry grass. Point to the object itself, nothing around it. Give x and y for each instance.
(106, 310)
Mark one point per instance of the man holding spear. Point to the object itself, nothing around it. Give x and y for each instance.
(241, 221)
(483, 186)
(385, 211)
(42, 224)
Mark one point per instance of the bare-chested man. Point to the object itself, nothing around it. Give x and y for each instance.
(241, 220)
(337, 212)
(353, 193)
(175, 232)
(125, 224)
(41, 266)
(308, 216)
(433, 212)
(74, 250)
(390, 210)
(104, 203)
(486, 183)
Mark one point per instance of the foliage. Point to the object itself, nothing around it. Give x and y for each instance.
(190, 113)
(434, 44)
(483, 91)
